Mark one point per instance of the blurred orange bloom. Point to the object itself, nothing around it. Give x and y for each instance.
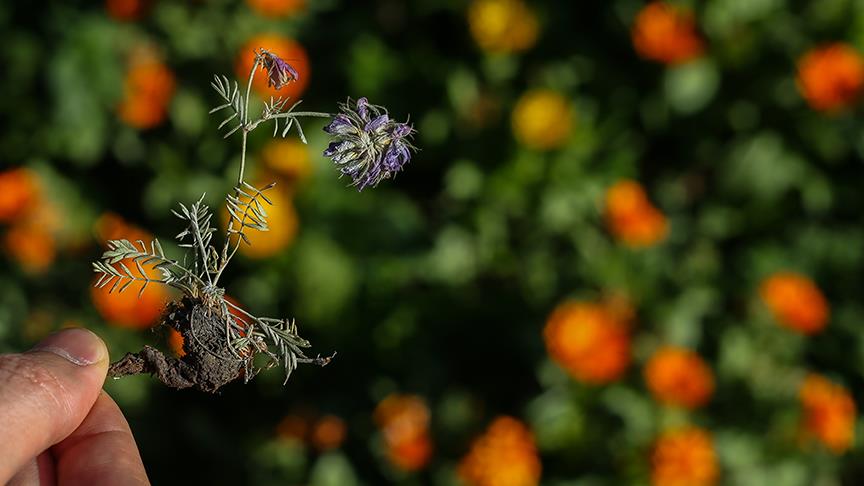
(829, 413)
(31, 246)
(36, 221)
(795, 301)
(126, 9)
(831, 77)
(666, 33)
(678, 376)
(684, 457)
(505, 455)
(502, 26)
(127, 309)
(287, 49)
(587, 341)
(147, 91)
(404, 424)
(542, 119)
(175, 342)
(277, 8)
(289, 158)
(293, 427)
(282, 221)
(328, 433)
(631, 217)
(19, 189)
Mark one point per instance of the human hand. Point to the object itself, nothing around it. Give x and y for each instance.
(57, 426)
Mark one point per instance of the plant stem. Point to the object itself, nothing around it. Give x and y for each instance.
(294, 114)
(245, 120)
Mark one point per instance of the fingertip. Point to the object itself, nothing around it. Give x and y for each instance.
(77, 345)
(102, 450)
(46, 392)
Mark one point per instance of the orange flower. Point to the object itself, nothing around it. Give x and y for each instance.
(328, 433)
(795, 301)
(287, 49)
(684, 457)
(289, 158)
(542, 119)
(147, 91)
(277, 8)
(175, 342)
(293, 428)
(19, 189)
(126, 9)
(588, 342)
(666, 33)
(631, 217)
(831, 77)
(678, 376)
(404, 424)
(31, 246)
(829, 413)
(502, 26)
(505, 455)
(127, 309)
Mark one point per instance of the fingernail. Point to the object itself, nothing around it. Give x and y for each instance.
(78, 346)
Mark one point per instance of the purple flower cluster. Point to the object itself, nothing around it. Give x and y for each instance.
(366, 144)
(279, 72)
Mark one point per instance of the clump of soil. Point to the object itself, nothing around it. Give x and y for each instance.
(207, 365)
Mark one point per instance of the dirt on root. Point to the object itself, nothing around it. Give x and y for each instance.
(207, 365)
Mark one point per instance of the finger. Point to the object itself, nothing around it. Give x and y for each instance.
(46, 393)
(38, 472)
(101, 451)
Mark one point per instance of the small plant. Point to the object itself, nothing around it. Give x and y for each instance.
(221, 340)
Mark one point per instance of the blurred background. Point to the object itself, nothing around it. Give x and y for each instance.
(629, 250)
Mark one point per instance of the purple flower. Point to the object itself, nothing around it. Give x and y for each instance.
(279, 72)
(366, 144)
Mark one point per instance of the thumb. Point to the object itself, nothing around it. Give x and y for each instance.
(46, 393)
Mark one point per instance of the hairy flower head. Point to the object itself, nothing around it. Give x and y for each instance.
(366, 144)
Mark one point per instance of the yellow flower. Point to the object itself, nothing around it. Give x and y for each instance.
(289, 158)
(542, 119)
(502, 26)
(282, 221)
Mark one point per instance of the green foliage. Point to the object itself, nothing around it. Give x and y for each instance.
(439, 282)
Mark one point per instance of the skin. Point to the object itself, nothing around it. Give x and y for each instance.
(57, 426)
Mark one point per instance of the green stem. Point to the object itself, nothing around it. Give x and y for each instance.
(245, 120)
(294, 114)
